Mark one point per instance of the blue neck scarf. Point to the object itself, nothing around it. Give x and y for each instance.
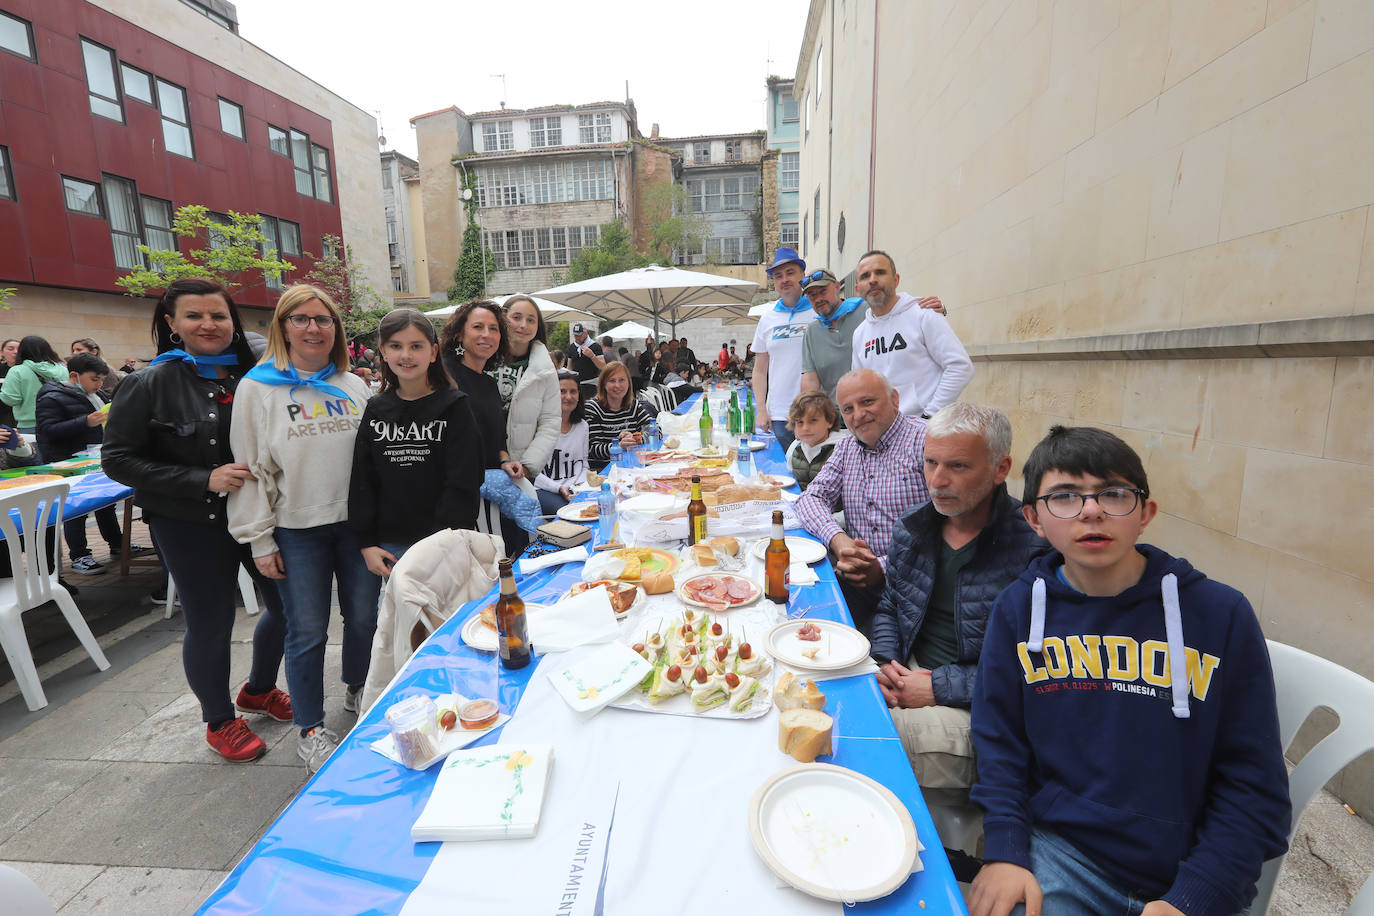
(269, 374)
(202, 364)
(802, 304)
(844, 308)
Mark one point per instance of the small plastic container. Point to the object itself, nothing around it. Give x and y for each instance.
(479, 713)
(414, 724)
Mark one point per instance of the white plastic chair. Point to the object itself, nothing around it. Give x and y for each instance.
(1304, 682)
(21, 895)
(246, 591)
(31, 584)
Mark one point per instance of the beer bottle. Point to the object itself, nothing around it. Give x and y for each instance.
(733, 415)
(513, 635)
(776, 560)
(705, 423)
(696, 514)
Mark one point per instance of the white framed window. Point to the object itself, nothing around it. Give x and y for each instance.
(603, 127)
(589, 180)
(789, 234)
(231, 118)
(789, 107)
(804, 235)
(545, 182)
(734, 150)
(16, 36)
(386, 177)
(546, 132)
(560, 245)
(101, 81)
(495, 243)
(594, 128)
(701, 151)
(789, 171)
(176, 119)
(390, 230)
(528, 255)
(544, 246)
(816, 215)
(498, 136)
(730, 193)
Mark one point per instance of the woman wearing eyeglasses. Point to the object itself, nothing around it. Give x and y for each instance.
(295, 425)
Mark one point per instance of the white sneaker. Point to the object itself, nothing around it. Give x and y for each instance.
(353, 700)
(315, 746)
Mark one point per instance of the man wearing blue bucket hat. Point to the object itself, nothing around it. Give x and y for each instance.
(778, 345)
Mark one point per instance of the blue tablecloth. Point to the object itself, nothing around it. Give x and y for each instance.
(344, 842)
(88, 493)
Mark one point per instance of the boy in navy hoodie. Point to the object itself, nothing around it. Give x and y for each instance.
(1124, 715)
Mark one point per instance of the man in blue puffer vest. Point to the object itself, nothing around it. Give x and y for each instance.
(949, 560)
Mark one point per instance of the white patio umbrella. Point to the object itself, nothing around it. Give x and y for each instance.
(630, 330)
(657, 293)
(752, 316)
(552, 311)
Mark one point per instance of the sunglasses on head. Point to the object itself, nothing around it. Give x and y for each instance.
(818, 276)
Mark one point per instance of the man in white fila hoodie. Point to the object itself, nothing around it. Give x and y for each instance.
(914, 348)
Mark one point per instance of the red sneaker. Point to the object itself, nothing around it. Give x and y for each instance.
(236, 741)
(274, 703)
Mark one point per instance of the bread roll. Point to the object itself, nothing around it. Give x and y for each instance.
(703, 555)
(656, 583)
(725, 544)
(804, 733)
(744, 492)
(794, 693)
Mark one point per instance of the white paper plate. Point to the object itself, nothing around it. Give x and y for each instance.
(840, 646)
(449, 741)
(600, 677)
(714, 451)
(832, 833)
(479, 636)
(687, 599)
(757, 446)
(803, 550)
(570, 512)
(779, 480)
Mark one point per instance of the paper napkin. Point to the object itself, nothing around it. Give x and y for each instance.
(598, 677)
(557, 558)
(577, 621)
(487, 793)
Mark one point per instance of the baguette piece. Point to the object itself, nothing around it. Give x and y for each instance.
(656, 583)
(703, 555)
(804, 733)
(746, 492)
(725, 544)
(794, 693)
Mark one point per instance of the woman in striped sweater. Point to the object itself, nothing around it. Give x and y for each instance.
(614, 414)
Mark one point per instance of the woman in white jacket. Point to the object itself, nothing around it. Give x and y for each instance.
(528, 383)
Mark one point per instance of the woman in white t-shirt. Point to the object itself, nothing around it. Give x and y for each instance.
(567, 465)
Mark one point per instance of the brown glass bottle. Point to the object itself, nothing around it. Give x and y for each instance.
(696, 515)
(513, 635)
(776, 559)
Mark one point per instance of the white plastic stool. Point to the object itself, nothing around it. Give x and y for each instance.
(246, 591)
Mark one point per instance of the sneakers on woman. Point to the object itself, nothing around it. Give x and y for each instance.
(353, 700)
(315, 746)
(235, 741)
(274, 703)
(87, 566)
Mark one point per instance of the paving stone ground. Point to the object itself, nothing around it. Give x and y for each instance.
(111, 801)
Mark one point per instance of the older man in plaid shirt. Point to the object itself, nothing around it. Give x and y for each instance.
(878, 472)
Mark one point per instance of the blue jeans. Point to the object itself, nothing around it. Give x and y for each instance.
(550, 502)
(313, 557)
(783, 434)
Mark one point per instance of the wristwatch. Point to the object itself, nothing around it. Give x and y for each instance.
(925, 415)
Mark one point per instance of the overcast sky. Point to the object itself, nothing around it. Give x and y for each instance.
(694, 68)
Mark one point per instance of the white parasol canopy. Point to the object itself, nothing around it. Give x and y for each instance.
(630, 330)
(552, 311)
(657, 293)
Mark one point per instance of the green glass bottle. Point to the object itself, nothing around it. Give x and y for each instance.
(705, 422)
(733, 415)
(748, 419)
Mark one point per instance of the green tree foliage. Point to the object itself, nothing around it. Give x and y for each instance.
(233, 254)
(613, 252)
(559, 335)
(470, 276)
(342, 279)
(6, 292)
(668, 208)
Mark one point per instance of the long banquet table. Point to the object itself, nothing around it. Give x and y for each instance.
(343, 844)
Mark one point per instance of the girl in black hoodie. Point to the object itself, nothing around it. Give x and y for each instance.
(417, 460)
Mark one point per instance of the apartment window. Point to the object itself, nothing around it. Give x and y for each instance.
(701, 152)
(603, 127)
(546, 132)
(290, 238)
(397, 282)
(16, 36)
(281, 236)
(157, 225)
(789, 234)
(527, 248)
(498, 135)
(137, 84)
(82, 196)
(393, 250)
(323, 189)
(231, 118)
(176, 119)
(217, 240)
(494, 242)
(804, 238)
(733, 149)
(594, 128)
(590, 180)
(806, 115)
(278, 141)
(544, 246)
(789, 107)
(101, 81)
(300, 159)
(390, 230)
(330, 249)
(270, 246)
(580, 237)
(122, 200)
(730, 191)
(560, 245)
(789, 171)
(545, 181)
(6, 182)
(816, 215)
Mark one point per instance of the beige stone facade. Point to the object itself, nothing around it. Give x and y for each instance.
(1151, 217)
(439, 137)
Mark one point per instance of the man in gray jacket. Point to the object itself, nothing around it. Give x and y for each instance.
(948, 561)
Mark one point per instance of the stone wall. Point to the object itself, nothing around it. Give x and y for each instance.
(1150, 217)
(437, 137)
(770, 204)
(649, 166)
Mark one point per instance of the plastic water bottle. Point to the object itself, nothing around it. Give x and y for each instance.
(655, 439)
(617, 454)
(606, 513)
(746, 458)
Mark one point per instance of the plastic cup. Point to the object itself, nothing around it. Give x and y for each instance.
(414, 727)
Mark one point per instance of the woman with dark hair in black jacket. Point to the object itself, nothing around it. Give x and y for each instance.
(168, 438)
